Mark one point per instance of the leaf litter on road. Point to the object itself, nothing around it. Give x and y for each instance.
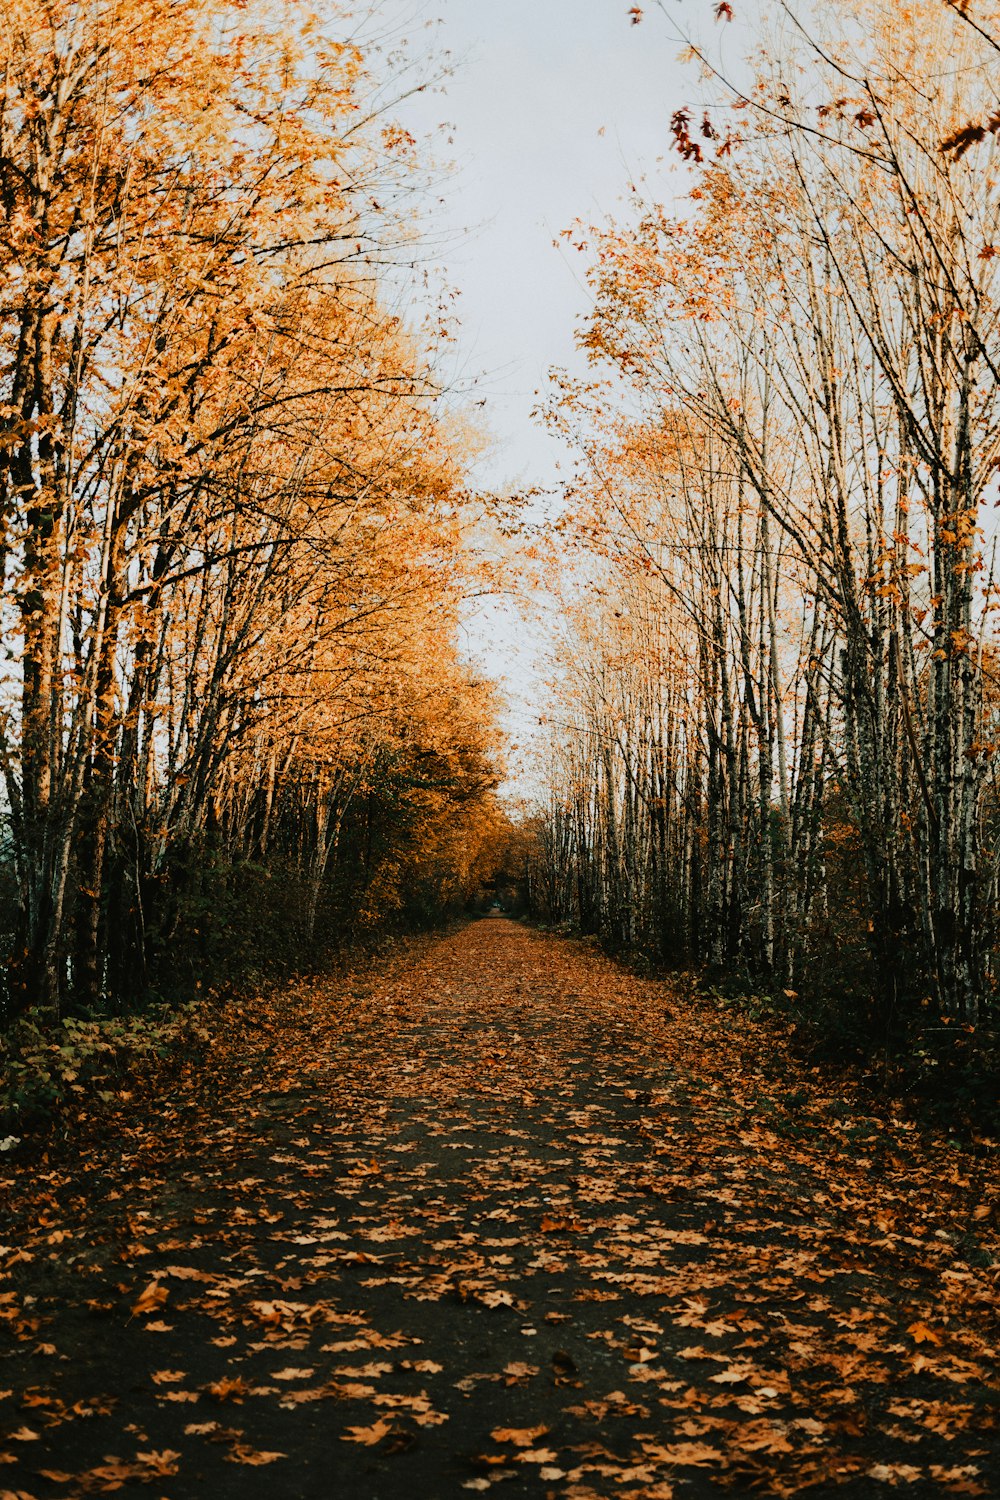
(500, 1215)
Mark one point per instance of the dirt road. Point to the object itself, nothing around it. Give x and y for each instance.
(500, 1217)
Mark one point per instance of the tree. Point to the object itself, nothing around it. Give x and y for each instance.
(224, 480)
(813, 356)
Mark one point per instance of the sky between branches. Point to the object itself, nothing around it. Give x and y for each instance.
(557, 106)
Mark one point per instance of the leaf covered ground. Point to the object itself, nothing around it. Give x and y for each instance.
(497, 1216)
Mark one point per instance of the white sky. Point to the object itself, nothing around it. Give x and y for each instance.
(535, 83)
(557, 105)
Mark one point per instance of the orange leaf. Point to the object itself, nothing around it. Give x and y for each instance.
(521, 1437)
(921, 1334)
(228, 1389)
(242, 1453)
(151, 1300)
(369, 1436)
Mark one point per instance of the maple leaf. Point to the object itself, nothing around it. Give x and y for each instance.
(368, 1436)
(112, 1474)
(521, 1437)
(496, 1298)
(365, 1169)
(163, 1461)
(640, 1355)
(731, 1376)
(922, 1334)
(691, 1454)
(229, 1388)
(151, 1300)
(242, 1453)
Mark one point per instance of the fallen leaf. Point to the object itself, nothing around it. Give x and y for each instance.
(521, 1437)
(369, 1436)
(163, 1462)
(242, 1453)
(151, 1300)
(691, 1454)
(228, 1389)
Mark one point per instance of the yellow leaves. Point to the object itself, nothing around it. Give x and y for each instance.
(216, 209)
(396, 138)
